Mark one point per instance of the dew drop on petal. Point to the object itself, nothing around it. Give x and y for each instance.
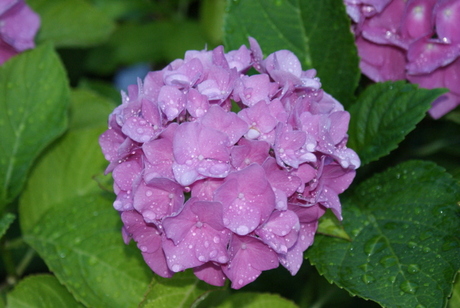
(242, 230)
(176, 268)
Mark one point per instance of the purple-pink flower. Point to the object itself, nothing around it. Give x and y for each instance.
(418, 40)
(18, 26)
(227, 193)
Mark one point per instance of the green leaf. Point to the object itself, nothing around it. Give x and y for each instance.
(405, 248)
(65, 172)
(34, 96)
(453, 116)
(104, 88)
(223, 299)
(129, 44)
(80, 241)
(89, 110)
(317, 31)
(329, 225)
(180, 291)
(123, 8)
(6, 222)
(71, 23)
(41, 291)
(70, 221)
(455, 299)
(211, 19)
(384, 114)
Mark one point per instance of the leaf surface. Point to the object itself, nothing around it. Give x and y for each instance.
(41, 291)
(317, 31)
(405, 246)
(34, 96)
(384, 114)
(70, 221)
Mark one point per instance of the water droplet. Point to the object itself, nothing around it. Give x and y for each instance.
(374, 245)
(367, 279)
(176, 268)
(426, 235)
(408, 287)
(242, 230)
(412, 244)
(449, 244)
(366, 267)
(413, 268)
(388, 261)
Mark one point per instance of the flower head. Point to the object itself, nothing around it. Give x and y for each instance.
(18, 26)
(229, 194)
(416, 40)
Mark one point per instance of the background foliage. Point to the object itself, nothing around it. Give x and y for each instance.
(61, 244)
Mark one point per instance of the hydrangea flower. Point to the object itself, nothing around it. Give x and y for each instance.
(418, 40)
(224, 172)
(18, 26)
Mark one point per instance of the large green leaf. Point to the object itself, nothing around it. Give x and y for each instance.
(41, 291)
(80, 241)
(71, 23)
(69, 220)
(384, 114)
(34, 97)
(178, 292)
(317, 31)
(405, 248)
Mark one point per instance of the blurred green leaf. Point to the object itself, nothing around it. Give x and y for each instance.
(68, 167)
(317, 31)
(211, 19)
(71, 23)
(103, 88)
(160, 41)
(41, 291)
(34, 96)
(384, 114)
(70, 221)
(405, 248)
(89, 110)
(5, 223)
(178, 292)
(224, 299)
(453, 116)
(119, 9)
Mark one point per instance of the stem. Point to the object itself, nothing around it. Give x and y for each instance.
(323, 299)
(11, 274)
(25, 261)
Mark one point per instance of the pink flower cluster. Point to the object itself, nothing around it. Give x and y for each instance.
(227, 193)
(18, 26)
(418, 40)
